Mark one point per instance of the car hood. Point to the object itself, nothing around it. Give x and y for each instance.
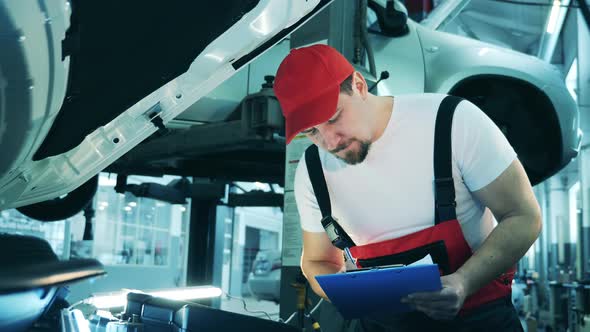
(125, 66)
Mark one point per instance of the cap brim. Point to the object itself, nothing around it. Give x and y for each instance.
(312, 113)
(48, 274)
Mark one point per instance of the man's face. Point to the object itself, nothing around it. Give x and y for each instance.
(347, 135)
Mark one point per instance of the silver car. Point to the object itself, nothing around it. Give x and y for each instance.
(264, 281)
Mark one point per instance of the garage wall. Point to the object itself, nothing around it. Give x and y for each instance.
(134, 277)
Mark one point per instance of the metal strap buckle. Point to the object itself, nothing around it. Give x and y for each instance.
(332, 232)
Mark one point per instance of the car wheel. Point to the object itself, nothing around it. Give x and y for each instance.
(62, 207)
(526, 117)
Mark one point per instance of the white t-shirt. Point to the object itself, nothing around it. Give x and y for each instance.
(391, 193)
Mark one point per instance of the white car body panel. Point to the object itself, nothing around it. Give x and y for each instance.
(450, 59)
(39, 29)
(403, 58)
(35, 181)
(445, 60)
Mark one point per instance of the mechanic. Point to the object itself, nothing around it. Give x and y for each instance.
(394, 179)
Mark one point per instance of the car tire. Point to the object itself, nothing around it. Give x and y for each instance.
(62, 207)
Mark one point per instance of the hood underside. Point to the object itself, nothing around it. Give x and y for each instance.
(121, 51)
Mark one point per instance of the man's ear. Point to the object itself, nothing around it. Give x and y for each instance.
(360, 85)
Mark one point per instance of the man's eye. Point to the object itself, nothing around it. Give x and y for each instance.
(311, 131)
(333, 120)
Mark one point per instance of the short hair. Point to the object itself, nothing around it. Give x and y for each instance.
(346, 85)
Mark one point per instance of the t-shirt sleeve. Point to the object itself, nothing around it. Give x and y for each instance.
(310, 215)
(480, 149)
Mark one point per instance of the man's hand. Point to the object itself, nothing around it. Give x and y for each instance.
(444, 304)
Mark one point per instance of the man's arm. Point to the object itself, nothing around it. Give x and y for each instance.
(511, 200)
(513, 203)
(319, 257)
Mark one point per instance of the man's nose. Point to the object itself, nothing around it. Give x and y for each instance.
(332, 139)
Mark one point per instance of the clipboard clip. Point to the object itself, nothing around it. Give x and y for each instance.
(349, 261)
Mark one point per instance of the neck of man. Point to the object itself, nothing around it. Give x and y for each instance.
(382, 107)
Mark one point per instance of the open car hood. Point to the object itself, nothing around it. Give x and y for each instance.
(116, 72)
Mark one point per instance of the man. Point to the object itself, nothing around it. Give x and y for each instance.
(378, 160)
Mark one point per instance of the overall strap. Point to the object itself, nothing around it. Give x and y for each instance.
(444, 188)
(336, 234)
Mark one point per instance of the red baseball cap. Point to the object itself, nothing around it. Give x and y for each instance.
(307, 86)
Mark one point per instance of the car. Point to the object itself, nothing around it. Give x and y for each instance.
(78, 96)
(526, 97)
(264, 281)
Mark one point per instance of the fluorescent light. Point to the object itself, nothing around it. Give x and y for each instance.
(119, 299)
(190, 293)
(127, 208)
(552, 23)
(260, 185)
(132, 204)
(112, 300)
(573, 212)
(106, 181)
(182, 209)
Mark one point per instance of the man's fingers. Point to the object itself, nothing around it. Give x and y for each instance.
(439, 305)
(436, 313)
(424, 295)
(430, 300)
(448, 307)
(442, 307)
(444, 294)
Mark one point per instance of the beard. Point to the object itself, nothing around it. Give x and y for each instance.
(353, 157)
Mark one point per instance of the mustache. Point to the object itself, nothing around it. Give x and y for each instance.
(340, 148)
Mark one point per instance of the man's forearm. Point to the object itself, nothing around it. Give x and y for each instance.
(507, 243)
(313, 268)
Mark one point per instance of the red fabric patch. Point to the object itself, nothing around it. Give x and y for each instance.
(458, 252)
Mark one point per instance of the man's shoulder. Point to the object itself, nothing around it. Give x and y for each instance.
(425, 102)
(301, 174)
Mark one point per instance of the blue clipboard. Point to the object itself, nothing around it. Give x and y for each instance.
(358, 293)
